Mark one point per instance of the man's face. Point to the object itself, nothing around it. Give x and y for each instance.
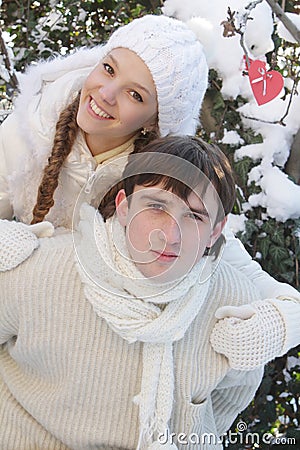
(165, 235)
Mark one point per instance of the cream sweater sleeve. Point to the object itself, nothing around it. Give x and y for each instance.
(290, 312)
(232, 396)
(9, 319)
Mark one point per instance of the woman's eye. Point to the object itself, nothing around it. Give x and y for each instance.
(108, 68)
(136, 96)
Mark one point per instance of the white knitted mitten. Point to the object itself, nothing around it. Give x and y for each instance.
(249, 335)
(18, 241)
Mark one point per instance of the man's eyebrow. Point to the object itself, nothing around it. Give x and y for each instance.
(154, 197)
(202, 211)
(135, 83)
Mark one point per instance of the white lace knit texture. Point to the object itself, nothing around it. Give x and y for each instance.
(17, 244)
(266, 330)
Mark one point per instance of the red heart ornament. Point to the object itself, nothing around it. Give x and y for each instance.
(265, 85)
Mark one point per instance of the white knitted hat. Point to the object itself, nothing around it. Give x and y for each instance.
(178, 66)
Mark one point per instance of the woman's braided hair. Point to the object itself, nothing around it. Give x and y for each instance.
(65, 135)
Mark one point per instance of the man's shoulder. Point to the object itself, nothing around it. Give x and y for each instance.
(60, 241)
(52, 252)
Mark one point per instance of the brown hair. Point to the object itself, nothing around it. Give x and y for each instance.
(65, 135)
(208, 164)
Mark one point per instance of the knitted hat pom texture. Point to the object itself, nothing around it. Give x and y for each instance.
(177, 63)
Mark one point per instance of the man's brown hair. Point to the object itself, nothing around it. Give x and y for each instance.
(180, 164)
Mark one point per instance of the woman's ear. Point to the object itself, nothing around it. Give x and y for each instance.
(217, 231)
(121, 203)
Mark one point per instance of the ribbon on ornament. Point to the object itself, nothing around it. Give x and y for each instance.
(266, 85)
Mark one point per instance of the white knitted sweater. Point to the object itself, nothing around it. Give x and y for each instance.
(68, 381)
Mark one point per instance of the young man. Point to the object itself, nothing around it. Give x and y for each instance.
(111, 349)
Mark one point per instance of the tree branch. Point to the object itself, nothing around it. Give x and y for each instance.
(13, 81)
(289, 25)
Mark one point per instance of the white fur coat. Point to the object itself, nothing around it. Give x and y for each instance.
(27, 134)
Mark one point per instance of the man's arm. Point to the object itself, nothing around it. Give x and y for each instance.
(9, 319)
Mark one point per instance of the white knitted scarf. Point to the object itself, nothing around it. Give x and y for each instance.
(129, 303)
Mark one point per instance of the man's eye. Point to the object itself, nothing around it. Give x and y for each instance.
(136, 96)
(108, 68)
(195, 217)
(155, 206)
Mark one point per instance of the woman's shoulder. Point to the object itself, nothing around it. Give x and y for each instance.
(235, 287)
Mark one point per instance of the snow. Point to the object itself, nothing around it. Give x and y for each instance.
(232, 138)
(280, 196)
(236, 222)
(283, 32)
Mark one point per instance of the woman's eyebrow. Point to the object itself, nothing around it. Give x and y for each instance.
(113, 60)
(136, 84)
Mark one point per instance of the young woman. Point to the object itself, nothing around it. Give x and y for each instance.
(76, 113)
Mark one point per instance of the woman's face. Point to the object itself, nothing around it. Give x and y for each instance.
(117, 99)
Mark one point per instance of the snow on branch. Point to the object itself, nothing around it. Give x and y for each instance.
(287, 22)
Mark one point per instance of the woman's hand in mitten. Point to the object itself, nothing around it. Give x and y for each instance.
(249, 335)
(18, 241)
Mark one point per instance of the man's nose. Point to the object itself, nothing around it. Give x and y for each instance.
(170, 230)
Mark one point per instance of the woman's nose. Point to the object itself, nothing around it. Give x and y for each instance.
(108, 93)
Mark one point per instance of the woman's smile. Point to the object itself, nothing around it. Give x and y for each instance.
(99, 111)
